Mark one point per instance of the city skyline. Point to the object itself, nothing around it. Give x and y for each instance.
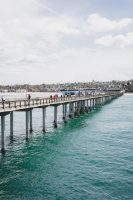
(65, 41)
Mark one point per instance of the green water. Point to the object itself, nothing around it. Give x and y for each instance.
(89, 158)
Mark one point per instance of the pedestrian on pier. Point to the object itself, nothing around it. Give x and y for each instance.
(29, 96)
(3, 101)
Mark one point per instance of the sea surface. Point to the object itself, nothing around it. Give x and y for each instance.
(88, 158)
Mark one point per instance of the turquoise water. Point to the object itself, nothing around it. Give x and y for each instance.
(89, 158)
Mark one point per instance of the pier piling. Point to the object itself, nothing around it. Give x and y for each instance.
(27, 123)
(11, 125)
(44, 118)
(55, 116)
(31, 127)
(3, 134)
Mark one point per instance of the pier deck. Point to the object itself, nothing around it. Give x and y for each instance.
(25, 104)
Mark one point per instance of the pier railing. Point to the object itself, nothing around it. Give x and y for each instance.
(36, 102)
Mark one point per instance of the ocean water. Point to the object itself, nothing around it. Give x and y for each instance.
(88, 158)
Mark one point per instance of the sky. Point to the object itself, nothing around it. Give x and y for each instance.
(56, 41)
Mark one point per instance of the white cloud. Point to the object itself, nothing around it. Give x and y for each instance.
(10, 9)
(97, 23)
(73, 64)
(116, 41)
(55, 47)
(26, 33)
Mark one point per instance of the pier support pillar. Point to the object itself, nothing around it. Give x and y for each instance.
(96, 102)
(64, 112)
(83, 106)
(63, 109)
(31, 127)
(87, 105)
(2, 134)
(102, 100)
(78, 108)
(93, 103)
(11, 125)
(90, 104)
(27, 123)
(72, 110)
(44, 118)
(101, 103)
(55, 116)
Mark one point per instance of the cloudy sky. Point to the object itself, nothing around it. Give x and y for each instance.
(47, 41)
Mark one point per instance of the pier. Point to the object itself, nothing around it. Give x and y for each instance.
(76, 105)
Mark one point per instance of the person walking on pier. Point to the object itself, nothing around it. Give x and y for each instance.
(3, 101)
(29, 96)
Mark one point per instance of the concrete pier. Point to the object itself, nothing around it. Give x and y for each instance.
(77, 105)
